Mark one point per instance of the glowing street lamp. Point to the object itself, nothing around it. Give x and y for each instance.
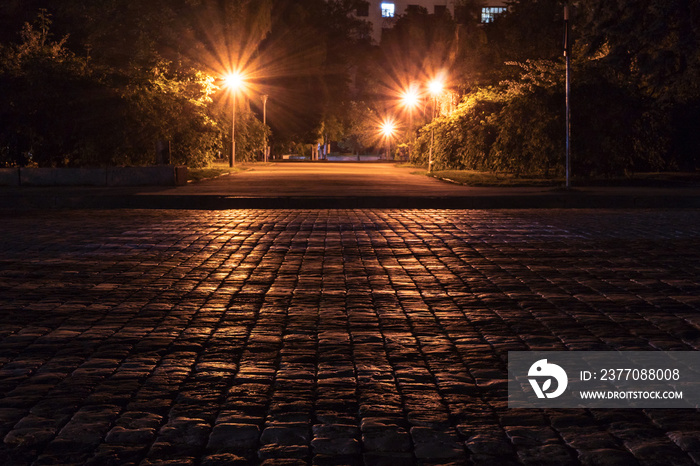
(388, 130)
(435, 87)
(234, 82)
(410, 99)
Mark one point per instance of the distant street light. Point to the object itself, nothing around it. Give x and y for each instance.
(410, 98)
(435, 87)
(234, 81)
(388, 130)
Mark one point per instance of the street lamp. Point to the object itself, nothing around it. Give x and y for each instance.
(234, 81)
(435, 88)
(410, 98)
(264, 101)
(388, 128)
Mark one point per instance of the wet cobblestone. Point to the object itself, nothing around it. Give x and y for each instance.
(332, 336)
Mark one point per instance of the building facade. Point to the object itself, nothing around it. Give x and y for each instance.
(382, 13)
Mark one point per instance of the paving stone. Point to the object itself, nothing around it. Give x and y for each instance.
(170, 462)
(29, 437)
(233, 436)
(112, 455)
(549, 454)
(337, 446)
(224, 459)
(285, 435)
(336, 460)
(335, 431)
(284, 462)
(493, 444)
(185, 431)
(531, 436)
(657, 451)
(481, 458)
(332, 336)
(687, 441)
(283, 452)
(386, 440)
(435, 444)
(122, 435)
(606, 457)
(388, 459)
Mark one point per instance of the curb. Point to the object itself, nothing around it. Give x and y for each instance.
(55, 200)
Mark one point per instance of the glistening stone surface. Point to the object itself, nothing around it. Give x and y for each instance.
(332, 336)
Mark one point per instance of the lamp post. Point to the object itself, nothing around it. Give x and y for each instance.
(410, 99)
(435, 88)
(264, 101)
(233, 81)
(388, 129)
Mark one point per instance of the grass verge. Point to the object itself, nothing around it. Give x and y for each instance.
(491, 179)
(476, 178)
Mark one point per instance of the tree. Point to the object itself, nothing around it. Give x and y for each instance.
(123, 80)
(652, 48)
(517, 124)
(314, 50)
(46, 100)
(654, 45)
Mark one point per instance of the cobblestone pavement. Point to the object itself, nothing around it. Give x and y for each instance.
(332, 337)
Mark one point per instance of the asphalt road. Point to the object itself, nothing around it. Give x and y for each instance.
(340, 185)
(324, 179)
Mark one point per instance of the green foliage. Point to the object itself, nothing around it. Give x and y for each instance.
(463, 139)
(634, 95)
(43, 103)
(61, 109)
(174, 107)
(518, 127)
(249, 137)
(358, 128)
(97, 83)
(653, 44)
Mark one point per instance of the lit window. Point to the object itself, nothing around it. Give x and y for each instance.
(489, 13)
(388, 10)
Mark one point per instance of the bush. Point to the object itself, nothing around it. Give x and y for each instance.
(519, 127)
(530, 137)
(463, 139)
